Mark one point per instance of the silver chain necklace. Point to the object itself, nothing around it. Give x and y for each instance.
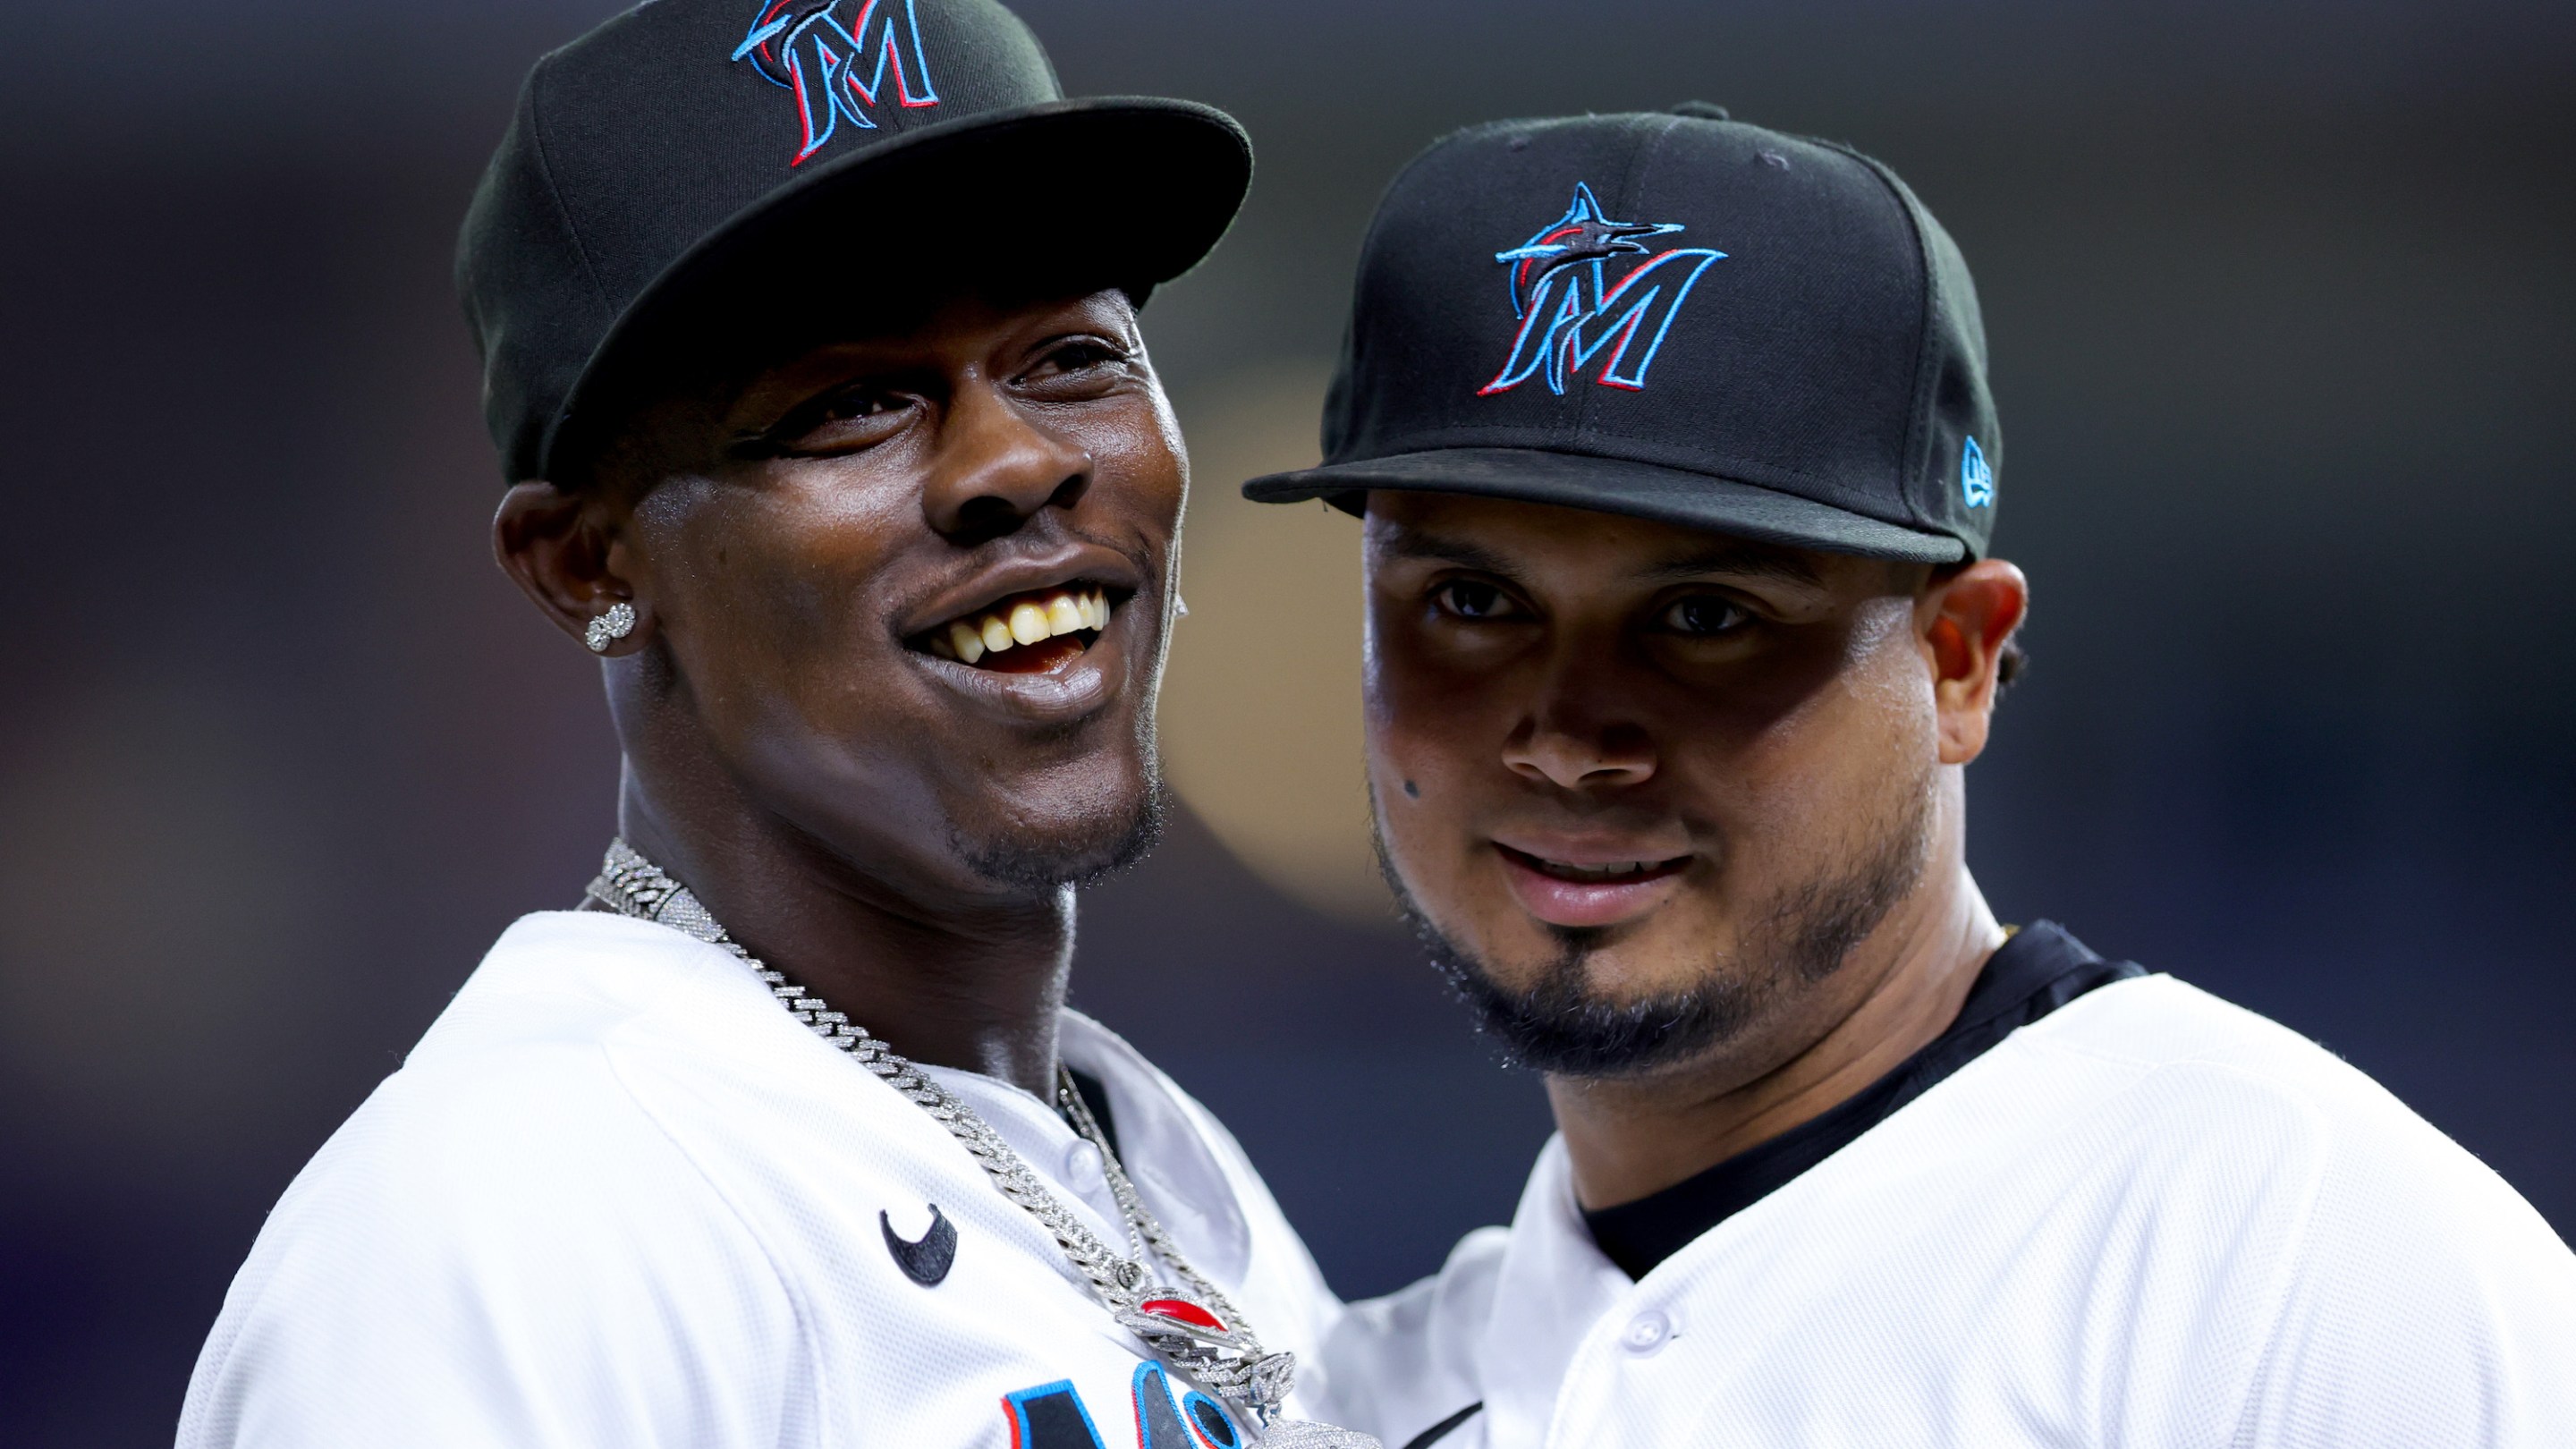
(1193, 1326)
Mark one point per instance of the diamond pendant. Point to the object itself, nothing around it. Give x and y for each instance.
(1168, 1313)
(1307, 1434)
(1192, 1333)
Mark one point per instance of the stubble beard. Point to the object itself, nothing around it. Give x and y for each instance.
(1099, 848)
(1562, 1026)
(1091, 852)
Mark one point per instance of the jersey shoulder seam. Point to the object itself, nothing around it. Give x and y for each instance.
(2294, 1253)
(796, 1304)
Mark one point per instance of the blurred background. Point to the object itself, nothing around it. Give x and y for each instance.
(2285, 335)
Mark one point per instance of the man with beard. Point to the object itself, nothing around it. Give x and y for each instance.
(809, 341)
(1678, 468)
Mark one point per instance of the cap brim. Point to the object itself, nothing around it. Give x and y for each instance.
(1614, 485)
(1089, 193)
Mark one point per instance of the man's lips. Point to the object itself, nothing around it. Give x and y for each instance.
(999, 586)
(1031, 633)
(1594, 889)
(1040, 639)
(1065, 680)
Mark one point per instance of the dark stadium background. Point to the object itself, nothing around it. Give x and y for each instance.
(2285, 328)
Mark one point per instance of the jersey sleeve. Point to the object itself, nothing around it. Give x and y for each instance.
(514, 1257)
(2429, 1305)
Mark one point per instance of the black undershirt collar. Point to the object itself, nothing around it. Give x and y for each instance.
(1095, 1095)
(2039, 970)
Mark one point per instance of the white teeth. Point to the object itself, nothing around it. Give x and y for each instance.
(1612, 871)
(1027, 622)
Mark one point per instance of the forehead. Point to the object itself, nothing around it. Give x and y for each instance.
(1542, 542)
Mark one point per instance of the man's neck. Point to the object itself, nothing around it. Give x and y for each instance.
(1629, 1138)
(971, 981)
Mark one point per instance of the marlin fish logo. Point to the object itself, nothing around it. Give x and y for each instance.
(1569, 309)
(838, 71)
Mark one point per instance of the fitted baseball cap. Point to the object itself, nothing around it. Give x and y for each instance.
(747, 162)
(1676, 316)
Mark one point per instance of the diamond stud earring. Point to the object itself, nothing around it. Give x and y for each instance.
(610, 627)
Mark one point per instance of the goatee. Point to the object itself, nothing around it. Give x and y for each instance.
(1563, 1026)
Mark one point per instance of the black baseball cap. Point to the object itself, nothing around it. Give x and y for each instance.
(1672, 315)
(750, 160)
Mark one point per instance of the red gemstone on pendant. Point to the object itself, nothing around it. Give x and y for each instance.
(1181, 1310)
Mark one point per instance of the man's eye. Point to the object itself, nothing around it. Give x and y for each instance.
(1079, 355)
(826, 418)
(1705, 615)
(1470, 599)
(840, 422)
(866, 403)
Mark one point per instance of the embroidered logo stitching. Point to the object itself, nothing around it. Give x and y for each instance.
(1570, 310)
(838, 71)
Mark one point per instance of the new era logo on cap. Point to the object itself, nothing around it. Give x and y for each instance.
(1976, 480)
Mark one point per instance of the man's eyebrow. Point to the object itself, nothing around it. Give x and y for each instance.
(1741, 559)
(1413, 543)
(1748, 560)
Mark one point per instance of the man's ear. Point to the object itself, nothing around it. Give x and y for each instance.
(560, 547)
(1968, 615)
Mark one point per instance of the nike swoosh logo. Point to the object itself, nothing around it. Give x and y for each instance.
(1441, 1430)
(927, 1261)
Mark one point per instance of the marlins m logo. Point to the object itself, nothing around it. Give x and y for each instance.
(1570, 310)
(838, 71)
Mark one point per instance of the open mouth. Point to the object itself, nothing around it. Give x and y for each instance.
(1036, 632)
(1625, 872)
(1589, 894)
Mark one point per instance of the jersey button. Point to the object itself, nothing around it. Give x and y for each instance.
(1646, 1333)
(1082, 1165)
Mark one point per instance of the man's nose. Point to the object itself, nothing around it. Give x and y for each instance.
(1575, 739)
(995, 468)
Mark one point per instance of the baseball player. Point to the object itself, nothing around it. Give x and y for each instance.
(830, 431)
(1679, 472)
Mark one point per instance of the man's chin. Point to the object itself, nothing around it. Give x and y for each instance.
(1076, 852)
(1566, 1026)
(1554, 1018)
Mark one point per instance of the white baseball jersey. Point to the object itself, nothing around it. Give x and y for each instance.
(2147, 1219)
(618, 1197)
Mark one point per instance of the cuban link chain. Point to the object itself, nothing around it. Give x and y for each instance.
(1225, 1356)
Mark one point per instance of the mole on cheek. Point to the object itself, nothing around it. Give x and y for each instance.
(1412, 789)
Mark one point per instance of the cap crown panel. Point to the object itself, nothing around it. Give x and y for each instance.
(1675, 291)
(1791, 361)
(658, 136)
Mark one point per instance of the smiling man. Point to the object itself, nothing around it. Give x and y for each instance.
(817, 380)
(1679, 471)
